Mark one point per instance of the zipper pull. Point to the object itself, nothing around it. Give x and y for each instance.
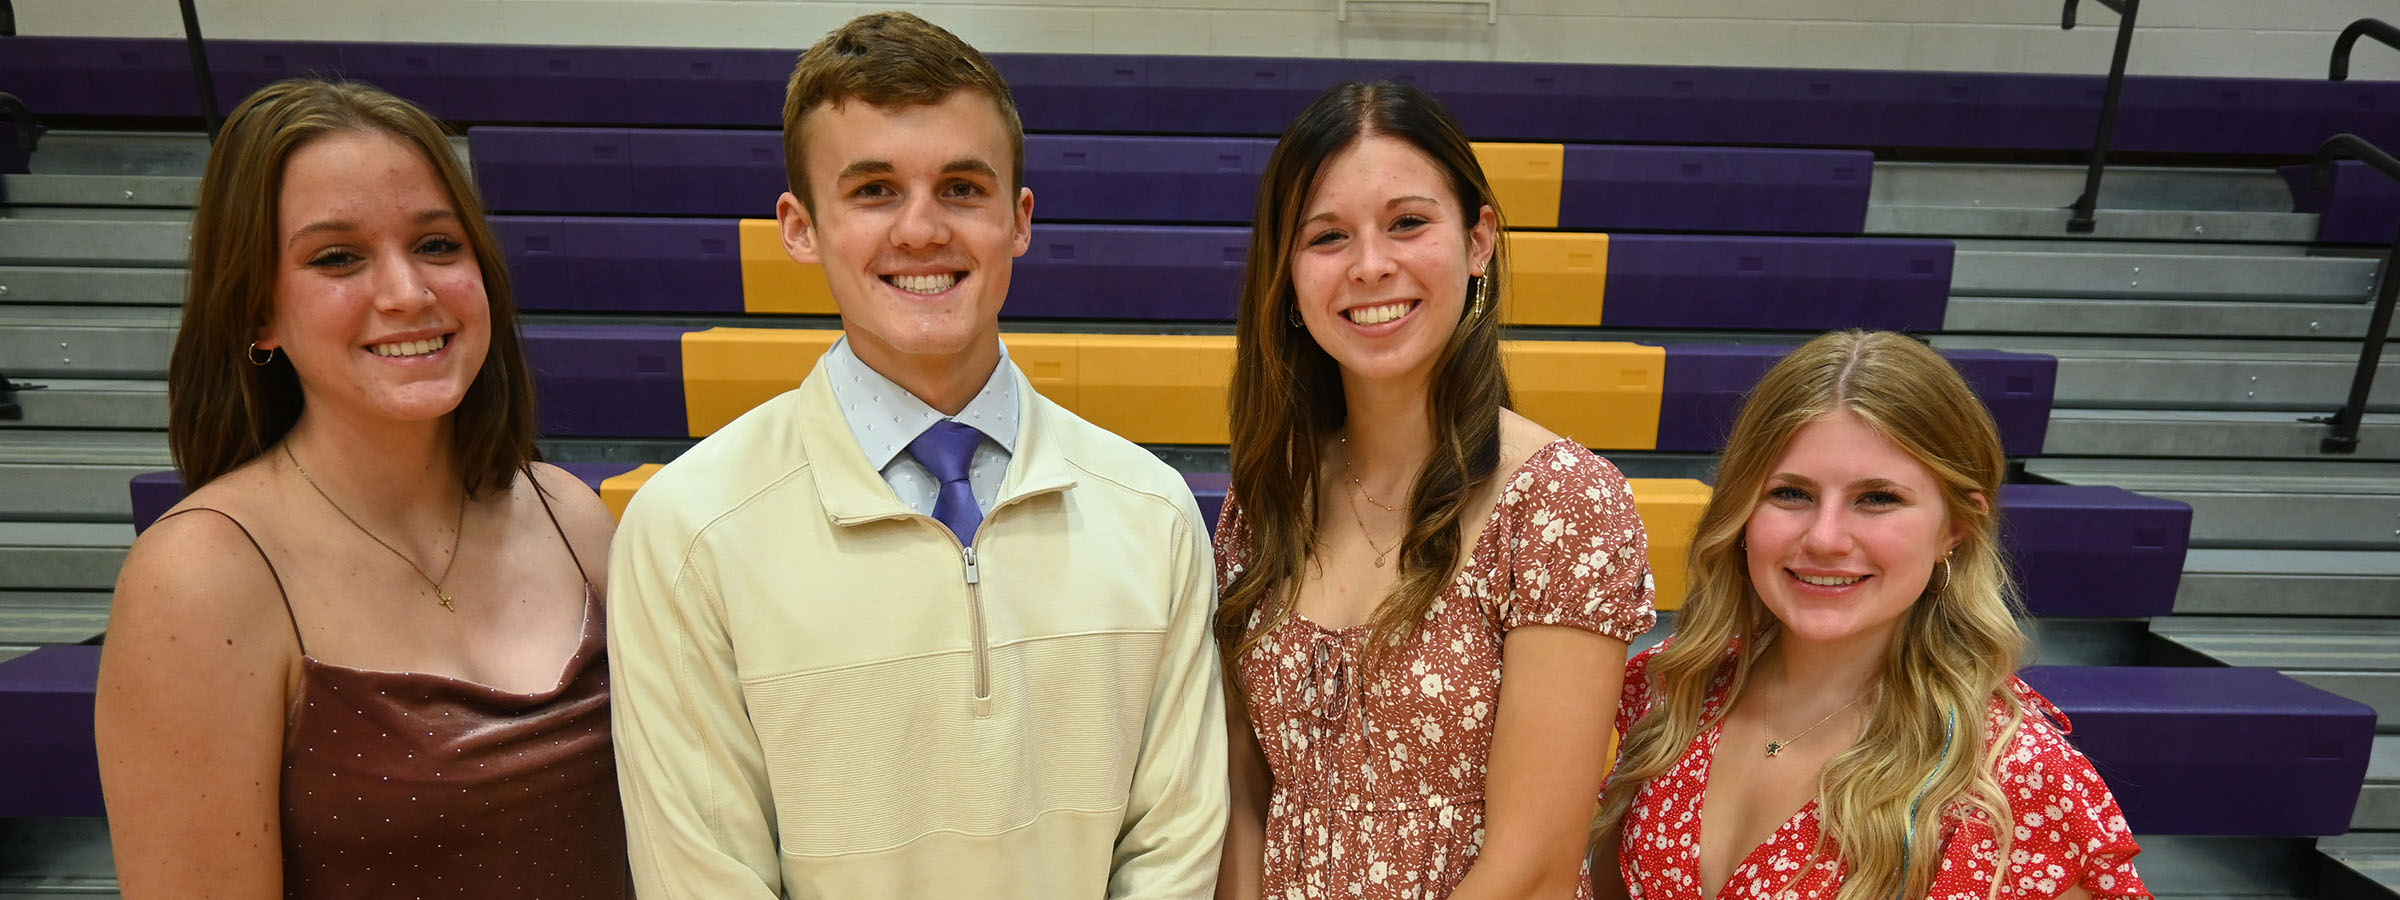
(968, 554)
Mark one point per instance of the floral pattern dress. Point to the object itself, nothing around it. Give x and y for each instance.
(2068, 829)
(1378, 787)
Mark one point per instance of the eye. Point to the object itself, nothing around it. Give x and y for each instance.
(1787, 494)
(963, 190)
(1880, 500)
(1409, 223)
(1327, 237)
(334, 258)
(440, 245)
(873, 190)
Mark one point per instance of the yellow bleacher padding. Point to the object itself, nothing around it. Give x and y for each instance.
(1670, 510)
(727, 371)
(1555, 278)
(1527, 178)
(617, 490)
(1170, 389)
(1604, 395)
(1156, 388)
(772, 282)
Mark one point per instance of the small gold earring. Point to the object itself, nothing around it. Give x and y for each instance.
(258, 360)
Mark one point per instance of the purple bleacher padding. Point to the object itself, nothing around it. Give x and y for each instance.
(2361, 206)
(608, 380)
(2094, 551)
(1190, 273)
(608, 171)
(1209, 488)
(623, 265)
(2217, 750)
(153, 494)
(1236, 96)
(47, 765)
(1705, 384)
(1134, 179)
(1778, 283)
(1715, 189)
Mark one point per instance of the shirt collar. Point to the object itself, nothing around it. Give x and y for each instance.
(885, 417)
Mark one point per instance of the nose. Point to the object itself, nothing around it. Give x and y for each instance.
(403, 289)
(1828, 534)
(920, 224)
(1373, 261)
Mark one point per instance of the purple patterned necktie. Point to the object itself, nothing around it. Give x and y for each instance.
(945, 449)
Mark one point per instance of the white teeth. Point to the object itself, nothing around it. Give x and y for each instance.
(1379, 314)
(1830, 580)
(925, 284)
(409, 348)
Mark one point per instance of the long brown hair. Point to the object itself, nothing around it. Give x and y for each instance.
(1925, 752)
(1287, 391)
(221, 410)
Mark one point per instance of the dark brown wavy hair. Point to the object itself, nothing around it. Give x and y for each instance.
(1287, 392)
(221, 410)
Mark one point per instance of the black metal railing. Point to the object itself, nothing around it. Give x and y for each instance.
(2339, 68)
(2080, 218)
(200, 71)
(2345, 421)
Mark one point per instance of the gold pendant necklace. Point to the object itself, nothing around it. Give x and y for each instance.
(456, 532)
(1775, 747)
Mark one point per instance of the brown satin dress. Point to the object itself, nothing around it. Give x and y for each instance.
(404, 785)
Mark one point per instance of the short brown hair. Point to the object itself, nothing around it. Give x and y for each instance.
(890, 59)
(221, 410)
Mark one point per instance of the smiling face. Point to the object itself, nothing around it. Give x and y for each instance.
(1382, 256)
(379, 302)
(1847, 532)
(915, 224)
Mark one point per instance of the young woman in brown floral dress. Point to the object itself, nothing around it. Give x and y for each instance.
(1398, 544)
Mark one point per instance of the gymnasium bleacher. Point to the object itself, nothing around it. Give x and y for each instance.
(2216, 600)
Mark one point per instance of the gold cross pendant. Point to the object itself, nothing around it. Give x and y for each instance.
(1774, 747)
(445, 601)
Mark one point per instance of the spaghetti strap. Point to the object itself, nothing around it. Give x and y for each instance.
(544, 496)
(262, 556)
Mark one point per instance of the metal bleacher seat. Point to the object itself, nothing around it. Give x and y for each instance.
(1675, 229)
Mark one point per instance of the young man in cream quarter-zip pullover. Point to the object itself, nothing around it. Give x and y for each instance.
(849, 663)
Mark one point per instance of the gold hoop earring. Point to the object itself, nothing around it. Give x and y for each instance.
(258, 360)
(1292, 312)
(1937, 592)
(1479, 295)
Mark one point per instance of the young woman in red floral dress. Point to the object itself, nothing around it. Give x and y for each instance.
(1838, 715)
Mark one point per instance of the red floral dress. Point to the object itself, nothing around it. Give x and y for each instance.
(2069, 831)
(1378, 788)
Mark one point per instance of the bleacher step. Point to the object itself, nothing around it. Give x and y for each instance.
(2210, 433)
(2199, 373)
(34, 618)
(75, 475)
(93, 241)
(2159, 317)
(2360, 866)
(2184, 275)
(87, 403)
(2379, 802)
(53, 857)
(139, 191)
(88, 341)
(2358, 658)
(2324, 504)
(2236, 582)
(69, 556)
(30, 285)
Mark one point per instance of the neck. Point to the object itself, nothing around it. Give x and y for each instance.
(1390, 433)
(946, 382)
(1817, 674)
(400, 474)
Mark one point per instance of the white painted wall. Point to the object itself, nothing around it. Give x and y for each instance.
(2268, 38)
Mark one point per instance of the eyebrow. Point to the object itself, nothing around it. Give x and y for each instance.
(866, 167)
(1389, 205)
(1863, 484)
(321, 226)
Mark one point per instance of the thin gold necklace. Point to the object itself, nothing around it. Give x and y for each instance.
(456, 532)
(1354, 482)
(1774, 746)
(1380, 553)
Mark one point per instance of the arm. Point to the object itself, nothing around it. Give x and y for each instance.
(698, 815)
(195, 680)
(1175, 813)
(1246, 827)
(1558, 702)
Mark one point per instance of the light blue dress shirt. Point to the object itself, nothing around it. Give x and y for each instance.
(884, 417)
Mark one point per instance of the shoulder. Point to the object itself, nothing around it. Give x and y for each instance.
(751, 454)
(1550, 469)
(1119, 464)
(585, 520)
(198, 579)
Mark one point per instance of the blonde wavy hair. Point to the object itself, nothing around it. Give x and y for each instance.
(1926, 754)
